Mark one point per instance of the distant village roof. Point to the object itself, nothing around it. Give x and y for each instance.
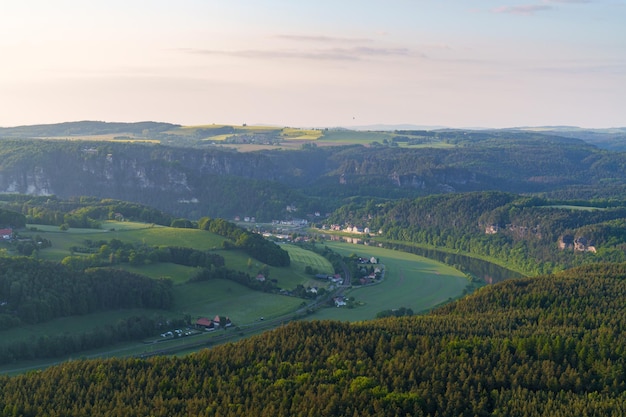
(203, 321)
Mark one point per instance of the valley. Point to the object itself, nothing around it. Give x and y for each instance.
(426, 284)
(131, 260)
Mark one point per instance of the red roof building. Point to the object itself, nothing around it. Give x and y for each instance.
(204, 322)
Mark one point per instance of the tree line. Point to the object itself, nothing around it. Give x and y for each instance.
(64, 343)
(114, 251)
(35, 291)
(253, 244)
(79, 212)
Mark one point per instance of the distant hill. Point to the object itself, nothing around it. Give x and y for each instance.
(610, 138)
(84, 128)
(385, 127)
(193, 172)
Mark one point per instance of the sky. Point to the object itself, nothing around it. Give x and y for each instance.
(298, 63)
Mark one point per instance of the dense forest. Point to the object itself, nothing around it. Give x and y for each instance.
(79, 211)
(550, 345)
(34, 291)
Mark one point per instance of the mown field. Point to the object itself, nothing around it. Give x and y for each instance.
(128, 232)
(220, 297)
(410, 281)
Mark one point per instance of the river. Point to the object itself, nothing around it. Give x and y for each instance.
(489, 272)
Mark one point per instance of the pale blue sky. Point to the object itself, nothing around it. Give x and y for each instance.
(456, 63)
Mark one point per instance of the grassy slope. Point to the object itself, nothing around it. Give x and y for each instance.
(227, 298)
(130, 232)
(410, 281)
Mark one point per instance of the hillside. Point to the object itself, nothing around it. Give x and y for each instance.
(549, 345)
(534, 235)
(208, 178)
(85, 128)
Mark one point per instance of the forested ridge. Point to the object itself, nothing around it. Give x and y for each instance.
(550, 345)
(532, 234)
(206, 180)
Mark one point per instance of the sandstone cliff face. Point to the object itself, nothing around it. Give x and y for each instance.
(193, 182)
(171, 179)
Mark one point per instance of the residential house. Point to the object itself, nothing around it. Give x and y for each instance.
(218, 323)
(204, 323)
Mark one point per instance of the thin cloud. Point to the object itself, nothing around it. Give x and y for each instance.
(331, 54)
(616, 67)
(568, 1)
(531, 9)
(321, 38)
(524, 10)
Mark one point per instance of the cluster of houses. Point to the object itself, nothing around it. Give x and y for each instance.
(291, 208)
(371, 260)
(350, 229)
(247, 219)
(371, 277)
(207, 324)
(335, 279)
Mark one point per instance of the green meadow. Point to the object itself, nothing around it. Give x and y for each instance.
(411, 281)
(128, 232)
(355, 137)
(227, 298)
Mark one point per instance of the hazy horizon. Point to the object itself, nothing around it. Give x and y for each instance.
(494, 64)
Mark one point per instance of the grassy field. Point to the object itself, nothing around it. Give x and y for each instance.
(179, 274)
(355, 137)
(130, 232)
(227, 298)
(202, 299)
(294, 275)
(142, 233)
(287, 277)
(77, 324)
(410, 281)
(301, 134)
